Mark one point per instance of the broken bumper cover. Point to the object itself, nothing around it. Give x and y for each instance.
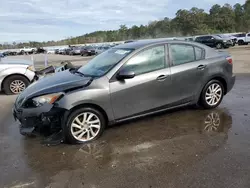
(34, 119)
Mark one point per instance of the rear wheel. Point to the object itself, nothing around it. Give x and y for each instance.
(84, 125)
(212, 94)
(15, 84)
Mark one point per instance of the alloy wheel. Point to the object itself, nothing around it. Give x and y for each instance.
(85, 126)
(219, 46)
(213, 94)
(17, 86)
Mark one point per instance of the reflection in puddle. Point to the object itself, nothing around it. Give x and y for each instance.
(212, 122)
(167, 140)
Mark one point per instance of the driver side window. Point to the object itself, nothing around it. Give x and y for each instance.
(147, 61)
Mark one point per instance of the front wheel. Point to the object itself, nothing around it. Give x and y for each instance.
(84, 125)
(219, 46)
(212, 94)
(15, 84)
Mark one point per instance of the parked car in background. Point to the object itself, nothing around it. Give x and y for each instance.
(51, 51)
(27, 50)
(2, 55)
(126, 82)
(61, 51)
(15, 75)
(214, 41)
(56, 51)
(243, 38)
(67, 51)
(101, 49)
(228, 37)
(189, 39)
(40, 50)
(87, 51)
(75, 51)
(10, 53)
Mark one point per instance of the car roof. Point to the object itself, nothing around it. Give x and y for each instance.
(143, 43)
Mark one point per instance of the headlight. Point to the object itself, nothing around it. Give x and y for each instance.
(224, 40)
(50, 99)
(31, 68)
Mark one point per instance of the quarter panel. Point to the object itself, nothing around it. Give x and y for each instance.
(217, 67)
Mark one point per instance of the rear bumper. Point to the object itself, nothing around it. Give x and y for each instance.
(231, 83)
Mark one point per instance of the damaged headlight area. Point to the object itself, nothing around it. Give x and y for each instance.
(50, 99)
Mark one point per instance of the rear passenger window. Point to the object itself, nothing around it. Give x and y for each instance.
(182, 53)
(198, 53)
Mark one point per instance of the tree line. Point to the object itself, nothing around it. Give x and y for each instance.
(219, 19)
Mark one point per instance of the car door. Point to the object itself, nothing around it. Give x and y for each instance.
(209, 41)
(188, 71)
(148, 90)
(205, 40)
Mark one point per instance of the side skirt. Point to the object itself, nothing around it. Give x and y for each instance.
(148, 113)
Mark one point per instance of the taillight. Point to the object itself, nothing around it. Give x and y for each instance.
(229, 60)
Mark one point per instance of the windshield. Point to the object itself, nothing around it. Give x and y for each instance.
(221, 36)
(104, 62)
(217, 37)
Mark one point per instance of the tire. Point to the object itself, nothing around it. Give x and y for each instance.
(219, 45)
(11, 79)
(69, 129)
(240, 42)
(207, 103)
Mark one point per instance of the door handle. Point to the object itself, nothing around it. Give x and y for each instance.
(201, 67)
(161, 77)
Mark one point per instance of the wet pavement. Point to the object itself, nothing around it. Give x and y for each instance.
(181, 148)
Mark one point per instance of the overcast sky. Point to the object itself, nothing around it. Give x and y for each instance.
(42, 20)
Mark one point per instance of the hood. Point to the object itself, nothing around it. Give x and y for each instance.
(15, 61)
(58, 82)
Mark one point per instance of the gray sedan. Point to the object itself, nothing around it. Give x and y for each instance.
(125, 82)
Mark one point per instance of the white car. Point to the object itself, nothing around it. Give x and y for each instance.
(243, 38)
(27, 50)
(51, 51)
(15, 75)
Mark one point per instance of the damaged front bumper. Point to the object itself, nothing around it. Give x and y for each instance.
(33, 120)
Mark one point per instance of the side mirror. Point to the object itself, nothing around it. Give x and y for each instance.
(125, 75)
